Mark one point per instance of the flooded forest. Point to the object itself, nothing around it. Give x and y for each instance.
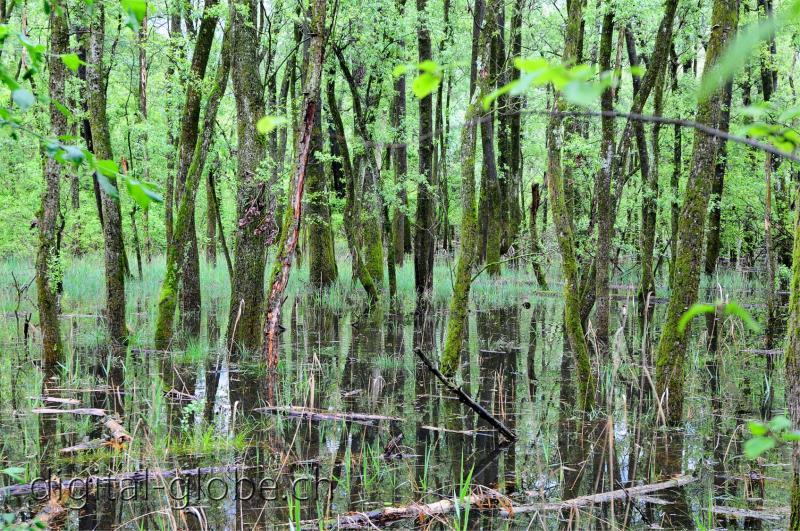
(430, 264)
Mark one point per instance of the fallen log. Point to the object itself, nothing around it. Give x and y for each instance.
(747, 513)
(118, 433)
(313, 414)
(78, 411)
(466, 399)
(55, 400)
(386, 515)
(603, 497)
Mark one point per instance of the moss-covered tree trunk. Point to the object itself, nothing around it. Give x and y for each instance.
(189, 293)
(175, 272)
(713, 239)
(605, 208)
(114, 249)
(793, 370)
(671, 351)
(290, 230)
(424, 233)
(255, 221)
(647, 239)
(49, 255)
(563, 224)
(321, 257)
(400, 161)
(211, 214)
(468, 255)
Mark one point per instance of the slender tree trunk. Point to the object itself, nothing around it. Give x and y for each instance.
(112, 217)
(142, 104)
(563, 223)
(647, 284)
(290, 230)
(424, 237)
(321, 256)
(254, 211)
(715, 216)
(605, 209)
(671, 351)
(677, 163)
(400, 162)
(793, 370)
(175, 272)
(536, 247)
(189, 294)
(175, 36)
(468, 255)
(49, 255)
(211, 214)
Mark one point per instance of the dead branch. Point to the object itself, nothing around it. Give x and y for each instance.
(312, 414)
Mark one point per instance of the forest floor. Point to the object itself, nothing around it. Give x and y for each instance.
(409, 441)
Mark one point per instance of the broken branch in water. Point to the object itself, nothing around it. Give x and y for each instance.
(603, 497)
(78, 411)
(466, 399)
(313, 414)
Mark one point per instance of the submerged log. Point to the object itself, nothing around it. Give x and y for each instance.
(313, 414)
(77, 411)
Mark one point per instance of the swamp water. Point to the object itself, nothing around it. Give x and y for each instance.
(199, 410)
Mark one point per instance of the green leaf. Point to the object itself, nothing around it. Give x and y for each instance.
(72, 61)
(791, 436)
(734, 309)
(141, 193)
(267, 124)
(531, 65)
(63, 110)
(779, 424)
(693, 312)
(399, 70)
(23, 98)
(15, 472)
(136, 10)
(424, 84)
(583, 93)
(489, 99)
(757, 428)
(73, 154)
(758, 445)
(107, 168)
(107, 186)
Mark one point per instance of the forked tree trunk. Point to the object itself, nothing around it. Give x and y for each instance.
(49, 254)
(671, 353)
(175, 272)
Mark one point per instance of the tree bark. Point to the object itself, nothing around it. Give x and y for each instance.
(563, 224)
(114, 255)
(792, 369)
(424, 236)
(671, 351)
(49, 255)
(254, 211)
(290, 230)
(175, 270)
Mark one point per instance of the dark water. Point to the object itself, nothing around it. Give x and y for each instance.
(200, 408)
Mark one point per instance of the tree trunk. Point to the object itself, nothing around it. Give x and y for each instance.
(793, 370)
(605, 209)
(189, 294)
(290, 230)
(563, 223)
(254, 210)
(424, 236)
(49, 254)
(145, 159)
(671, 351)
(468, 255)
(112, 217)
(536, 247)
(175, 37)
(176, 272)
(211, 214)
(715, 216)
(677, 163)
(321, 256)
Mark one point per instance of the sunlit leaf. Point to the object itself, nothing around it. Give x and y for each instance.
(15, 472)
(72, 61)
(424, 84)
(694, 311)
(758, 445)
(267, 124)
(779, 424)
(757, 428)
(107, 186)
(141, 193)
(136, 10)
